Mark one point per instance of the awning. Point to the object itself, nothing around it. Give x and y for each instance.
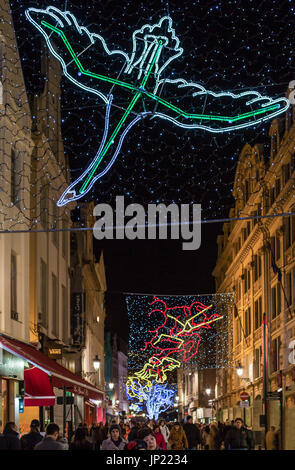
(60, 376)
(38, 388)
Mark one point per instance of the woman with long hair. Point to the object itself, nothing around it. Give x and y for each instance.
(80, 440)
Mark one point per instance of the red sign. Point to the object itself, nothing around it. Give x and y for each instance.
(244, 396)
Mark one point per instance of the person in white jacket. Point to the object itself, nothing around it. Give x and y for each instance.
(164, 430)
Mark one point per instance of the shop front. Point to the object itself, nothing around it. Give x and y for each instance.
(11, 387)
(51, 392)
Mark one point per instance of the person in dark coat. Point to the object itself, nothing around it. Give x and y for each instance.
(80, 441)
(134, 431)
(115, 441)
(239, 438)
(192, 434)
(28, 441)
(9, 440)
(99, 435)
(49, 442)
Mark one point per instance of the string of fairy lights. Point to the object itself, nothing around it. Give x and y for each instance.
(158, 162)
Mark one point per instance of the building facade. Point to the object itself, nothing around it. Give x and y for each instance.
(41, 371)
(15, 156)
(256, 263)
(196, 394)
(88, 283)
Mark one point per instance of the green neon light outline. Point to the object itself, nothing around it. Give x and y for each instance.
(122, 120)
(141, 92)
(151, 95)
(78, 63)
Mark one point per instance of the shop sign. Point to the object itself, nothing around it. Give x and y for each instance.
(11, 366)
(77, 325)
(54, 350)
(80, 391)
(244, 404)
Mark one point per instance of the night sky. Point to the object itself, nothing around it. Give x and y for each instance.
(228, 45)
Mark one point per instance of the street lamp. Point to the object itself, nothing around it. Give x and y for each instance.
(208, 391)
(111, 385)
(96, 363)
(177, 398)
(240, 370)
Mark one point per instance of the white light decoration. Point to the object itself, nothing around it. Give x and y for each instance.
(151, 65)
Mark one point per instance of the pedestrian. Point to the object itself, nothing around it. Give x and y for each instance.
(271, 439)
(177, 438)
(115, 441)
(148, 436)
(80, 440)
(164, 430)
(133, 430)
(9, 440)
(28, 441)
(159, 438)
(192, 434)
(215, 437)
(99, 434)
(126, 432)
(239, 438)
(205, 437)
(49, 442)
(150, 424)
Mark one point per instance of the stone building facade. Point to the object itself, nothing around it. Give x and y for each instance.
(256, 263)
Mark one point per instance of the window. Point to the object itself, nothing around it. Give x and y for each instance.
(289, 288)
(275, 355)
(248, 228)
(64, 239)
(247, 190)
(257, 370)
(278, 187)
(274, 142)
(44, 194)
(257, 267)
(272, 196)
(286, 171)
(289, 230)
(245, 279)
(247, 322)
(258, 313)
(15, 181)
(278, 248)
(54, 225)
(13, 287)
(54, 306)
(290, 116)
(64, 314)
(43, 294)
(276, 301)
(237, 331)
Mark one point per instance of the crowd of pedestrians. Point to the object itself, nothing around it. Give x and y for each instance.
(134, 435)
